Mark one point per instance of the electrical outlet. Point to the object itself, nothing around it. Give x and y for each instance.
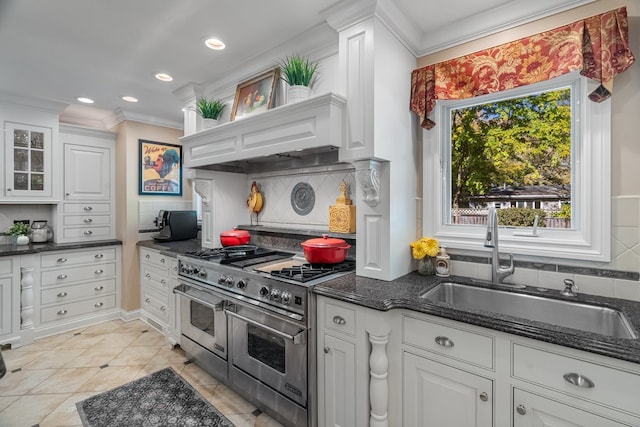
(24, 221)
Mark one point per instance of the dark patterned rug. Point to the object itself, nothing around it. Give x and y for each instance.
(163, 398)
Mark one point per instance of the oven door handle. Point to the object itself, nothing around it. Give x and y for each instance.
(299, 338)
(217, 307)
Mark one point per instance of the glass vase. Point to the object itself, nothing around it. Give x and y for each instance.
(426, 267)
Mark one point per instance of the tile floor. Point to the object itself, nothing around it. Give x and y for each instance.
(45, 379)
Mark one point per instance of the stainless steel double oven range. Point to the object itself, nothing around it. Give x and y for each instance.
(248, 318)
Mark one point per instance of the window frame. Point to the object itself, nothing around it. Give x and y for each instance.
(590, 235)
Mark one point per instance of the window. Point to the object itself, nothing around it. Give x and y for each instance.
(583, 173)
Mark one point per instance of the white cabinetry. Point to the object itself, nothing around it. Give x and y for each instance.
(88, 210)
(9, 300)
(158, 275)
(78, 284)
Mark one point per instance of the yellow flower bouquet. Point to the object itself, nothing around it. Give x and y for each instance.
(424, 250)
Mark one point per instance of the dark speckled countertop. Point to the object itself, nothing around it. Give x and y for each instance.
(404, 293)
(172, 249)
(34, 248)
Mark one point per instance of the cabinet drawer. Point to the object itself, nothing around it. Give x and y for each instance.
(155, 258)
(339, 319)
(87, 233)
(76, 292)
(95, 255)
(465, 345)
(78, 274)
(609, 385)
(6, 266)
(156, 305)
(66, 311)
(87, 208)
(86, 220)
(155, 279)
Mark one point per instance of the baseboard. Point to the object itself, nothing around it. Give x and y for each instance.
(46, 330)
(128, 316)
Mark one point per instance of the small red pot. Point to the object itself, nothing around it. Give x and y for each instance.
(325, 250)
(235, 237)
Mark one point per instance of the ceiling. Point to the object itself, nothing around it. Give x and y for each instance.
(105, 49)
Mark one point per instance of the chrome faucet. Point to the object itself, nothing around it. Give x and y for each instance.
(498, 273)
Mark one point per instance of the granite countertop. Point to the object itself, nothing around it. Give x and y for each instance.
(34, 248)
(404, 293)
(172, 249)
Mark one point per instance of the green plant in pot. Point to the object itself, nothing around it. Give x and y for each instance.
(210, 110)
(299, 72)
(19, 230)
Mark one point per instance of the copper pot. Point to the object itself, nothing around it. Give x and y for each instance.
(234, 237)
(325, 250)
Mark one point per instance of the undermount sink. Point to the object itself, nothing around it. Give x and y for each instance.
(576, 315)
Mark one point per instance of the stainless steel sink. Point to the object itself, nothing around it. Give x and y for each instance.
(576, 315)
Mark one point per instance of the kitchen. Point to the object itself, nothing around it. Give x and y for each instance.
(393, 215)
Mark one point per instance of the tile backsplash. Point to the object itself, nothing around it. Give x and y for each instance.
(10, 213)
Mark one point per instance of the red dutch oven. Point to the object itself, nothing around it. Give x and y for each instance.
(325, 250)
(234, 237)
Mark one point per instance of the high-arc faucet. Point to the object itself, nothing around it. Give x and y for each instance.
(498, 273)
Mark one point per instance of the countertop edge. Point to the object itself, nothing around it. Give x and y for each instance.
(11, 250)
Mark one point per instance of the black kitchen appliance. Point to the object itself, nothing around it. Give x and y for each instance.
(177, 225)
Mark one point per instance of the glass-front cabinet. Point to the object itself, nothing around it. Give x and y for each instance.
(27, 161)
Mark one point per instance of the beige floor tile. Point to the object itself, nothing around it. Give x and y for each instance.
(48, 343)
(19, 383)
(264, 420)
(134, 356)
(110, 377)
(149, 339)
(6, 401)
(31, 409)
(83, 341)
(171, 356)
(135, 326)
(96, 356)
(15, 359)
(66, 414)
(229, 402)
(196, 375)
(116, 339)
(150, 369)
(242, 420)
(55, 359)
(65, 381)
(104, 327)
(206, 390)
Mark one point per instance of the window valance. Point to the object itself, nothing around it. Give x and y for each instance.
(598, 46)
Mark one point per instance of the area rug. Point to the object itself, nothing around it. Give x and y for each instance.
(163, 398)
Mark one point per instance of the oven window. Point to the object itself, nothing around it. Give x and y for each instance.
(266, 348)
(202, 318)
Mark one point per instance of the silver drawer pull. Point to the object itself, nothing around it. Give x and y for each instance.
(578, 380)
(98, 304)
(61, 260)
(62, 312)
(62, 294)
(99, 271)
(98, 288)
(338, 320)
(162, 260)
(163, 308)
(99, 256)
(62, 276)
(88, 208)
(484, 396)
(147, 275)
(164, 282)
(521, 409)
(147, 300)
(88, 233)
(88, 220)
(443, 341)
(147, 256)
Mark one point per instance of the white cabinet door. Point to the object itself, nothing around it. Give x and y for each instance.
(28, 161)
(87, 172)
(6, 308)
(439, 395)
(339, 382)
(531, 410)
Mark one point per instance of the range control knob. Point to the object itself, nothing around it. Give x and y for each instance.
(203, 273)
(222, 279)
(229, 281)
(183, 268)
(264, 291)
(285, 297)
(275, 294)
(242, 283)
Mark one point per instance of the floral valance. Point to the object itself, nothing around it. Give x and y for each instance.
(598, 46)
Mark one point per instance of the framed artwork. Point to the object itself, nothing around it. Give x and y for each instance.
(255, 95)
(160, 169)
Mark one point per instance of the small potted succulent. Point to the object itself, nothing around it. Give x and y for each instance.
(20, 231)
(299, 72)
(210, 110)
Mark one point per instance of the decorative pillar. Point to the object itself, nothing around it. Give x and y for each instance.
(378, 382)
(368, 174)
(26, 297)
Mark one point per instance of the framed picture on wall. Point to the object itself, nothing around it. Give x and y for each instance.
(160, 169)
(255, 95)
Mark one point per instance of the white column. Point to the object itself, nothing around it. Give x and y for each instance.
(26, 297)
(378, 382)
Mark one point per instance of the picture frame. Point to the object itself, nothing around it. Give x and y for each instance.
(159, 169)
(255, 95)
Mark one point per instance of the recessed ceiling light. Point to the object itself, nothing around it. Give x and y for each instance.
(130, 98)
(215, 44)
(85, 100)
(164, 77)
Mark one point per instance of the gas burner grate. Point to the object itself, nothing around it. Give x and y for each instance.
(306, 272)
(206, 253)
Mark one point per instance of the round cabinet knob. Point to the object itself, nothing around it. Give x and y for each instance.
(327, 349)
(164, 282)
(147, 300)
(147, 256)
(484, 396)
(163, 308)
(339, 320)
(286, 297)
(242, 284)
(521, 409)
(147, 275)
(162, 260)
(264, 291)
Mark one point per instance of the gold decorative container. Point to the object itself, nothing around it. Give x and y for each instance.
(342, 215)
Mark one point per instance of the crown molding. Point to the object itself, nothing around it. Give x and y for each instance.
(122, 115)
(41, 104)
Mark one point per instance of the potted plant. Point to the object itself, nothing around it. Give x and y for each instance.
(19, 230)
(299, 73)
(210, 110)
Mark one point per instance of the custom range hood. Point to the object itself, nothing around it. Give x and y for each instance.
(295, 135)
